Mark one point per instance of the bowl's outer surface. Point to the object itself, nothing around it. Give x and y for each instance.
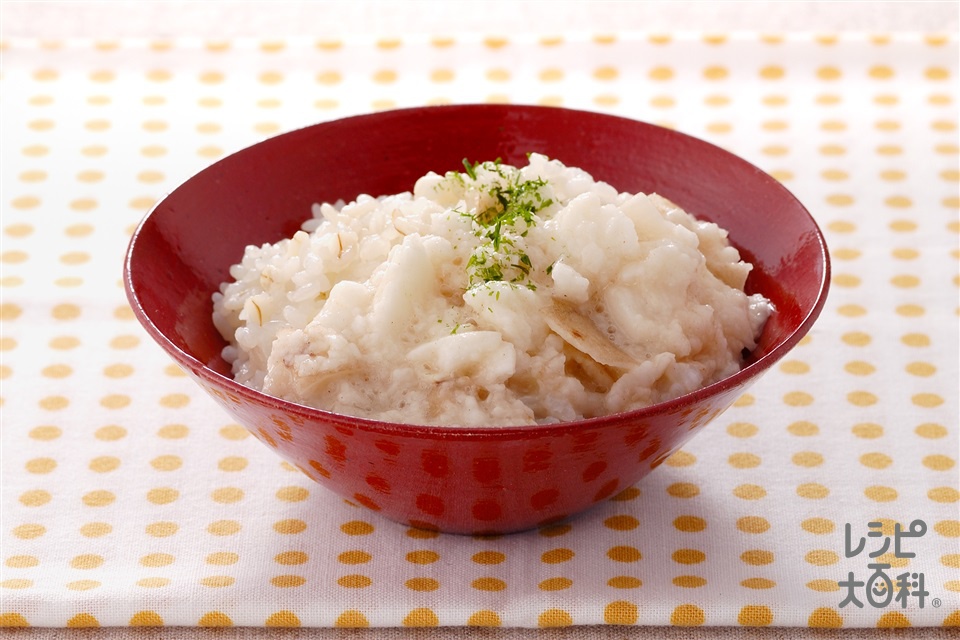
(454, 479)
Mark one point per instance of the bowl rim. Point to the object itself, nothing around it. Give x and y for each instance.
(745, 375)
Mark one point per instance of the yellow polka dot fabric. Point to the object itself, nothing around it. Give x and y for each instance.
(130, 499)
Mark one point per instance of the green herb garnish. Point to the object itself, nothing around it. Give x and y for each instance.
(502, 225)
(471, 168)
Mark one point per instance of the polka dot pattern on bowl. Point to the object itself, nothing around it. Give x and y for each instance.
(124, 483)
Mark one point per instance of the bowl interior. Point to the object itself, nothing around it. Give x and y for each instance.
(183, 249)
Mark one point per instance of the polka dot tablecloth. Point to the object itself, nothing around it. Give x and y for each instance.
(129, 498)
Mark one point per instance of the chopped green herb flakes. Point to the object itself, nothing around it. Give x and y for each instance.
(510, 212)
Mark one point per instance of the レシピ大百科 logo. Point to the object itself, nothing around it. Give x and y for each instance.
(879, 588)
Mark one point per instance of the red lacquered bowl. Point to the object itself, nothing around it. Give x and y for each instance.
(455, 479)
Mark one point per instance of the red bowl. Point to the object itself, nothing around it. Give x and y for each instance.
(464, 480)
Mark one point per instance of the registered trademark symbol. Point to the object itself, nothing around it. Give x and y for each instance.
(935, 602)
